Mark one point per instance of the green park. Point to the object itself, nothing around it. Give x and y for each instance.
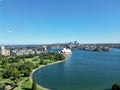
(15, 71)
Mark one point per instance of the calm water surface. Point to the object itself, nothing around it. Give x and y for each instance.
(84, 70)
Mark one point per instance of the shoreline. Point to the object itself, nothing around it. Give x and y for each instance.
(40, 86)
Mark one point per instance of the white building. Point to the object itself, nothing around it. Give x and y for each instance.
(45, 48)
(3, 51)
(66, 51)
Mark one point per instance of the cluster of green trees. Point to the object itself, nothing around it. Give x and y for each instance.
(102, 49)
(116, 87)
(11, 69)
(34, 84)
(51, 56)
(14, 67)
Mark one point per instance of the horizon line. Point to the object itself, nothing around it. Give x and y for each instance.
(53, 43)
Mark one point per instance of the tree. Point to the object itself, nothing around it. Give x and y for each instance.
(59, 57)
(7, 72)
(41, 61)
(16, 73)
(23, 60)
(11, 72)
(62, 57)
(26, 73)
(116, 87)
(34, 84)
(27, 66)
(30, 56)
(2, 85)
(4, 61)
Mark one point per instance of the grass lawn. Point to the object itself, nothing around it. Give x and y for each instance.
(33, 61)
(27, 85)
(24, 82)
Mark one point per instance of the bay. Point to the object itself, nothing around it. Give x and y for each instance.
(83, 70)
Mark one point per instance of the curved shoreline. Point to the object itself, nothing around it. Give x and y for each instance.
(40, 86)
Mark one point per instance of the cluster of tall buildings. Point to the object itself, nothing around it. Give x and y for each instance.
(4, 52)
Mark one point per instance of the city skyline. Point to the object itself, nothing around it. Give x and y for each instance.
(59, 21)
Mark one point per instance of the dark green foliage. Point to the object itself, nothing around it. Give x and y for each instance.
(37, 65)
(24, 56)
(36, 58)
(34, 85)
(4, 61)
(97, 49)
(16, 74)
(50, 56)
(12, 60)
(59, 57)
(105, 49)
(41, 61)
(1, 57)
(102, 49)
(45, 63)
(27, 66)
(26, 73)
(11, 72)
(2, 86)
(62, 57)
(116, 87)
(17, 66)
(29, 56)
(13, 65)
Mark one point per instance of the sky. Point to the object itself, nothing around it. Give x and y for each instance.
(59, 21)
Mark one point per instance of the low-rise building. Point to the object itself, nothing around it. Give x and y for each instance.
(66, 51)
(4, 52)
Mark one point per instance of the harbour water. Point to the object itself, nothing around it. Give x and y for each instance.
(84, 70)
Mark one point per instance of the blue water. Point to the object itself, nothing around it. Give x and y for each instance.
(84, 70)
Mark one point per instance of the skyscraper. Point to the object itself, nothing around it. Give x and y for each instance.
(75, 42)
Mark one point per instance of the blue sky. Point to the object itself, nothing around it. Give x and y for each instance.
(57, 21)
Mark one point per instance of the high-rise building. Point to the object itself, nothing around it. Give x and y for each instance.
(75, 42)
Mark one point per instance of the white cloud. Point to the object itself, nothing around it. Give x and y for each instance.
(9, 31)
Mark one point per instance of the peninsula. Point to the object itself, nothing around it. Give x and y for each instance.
(15, 70)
